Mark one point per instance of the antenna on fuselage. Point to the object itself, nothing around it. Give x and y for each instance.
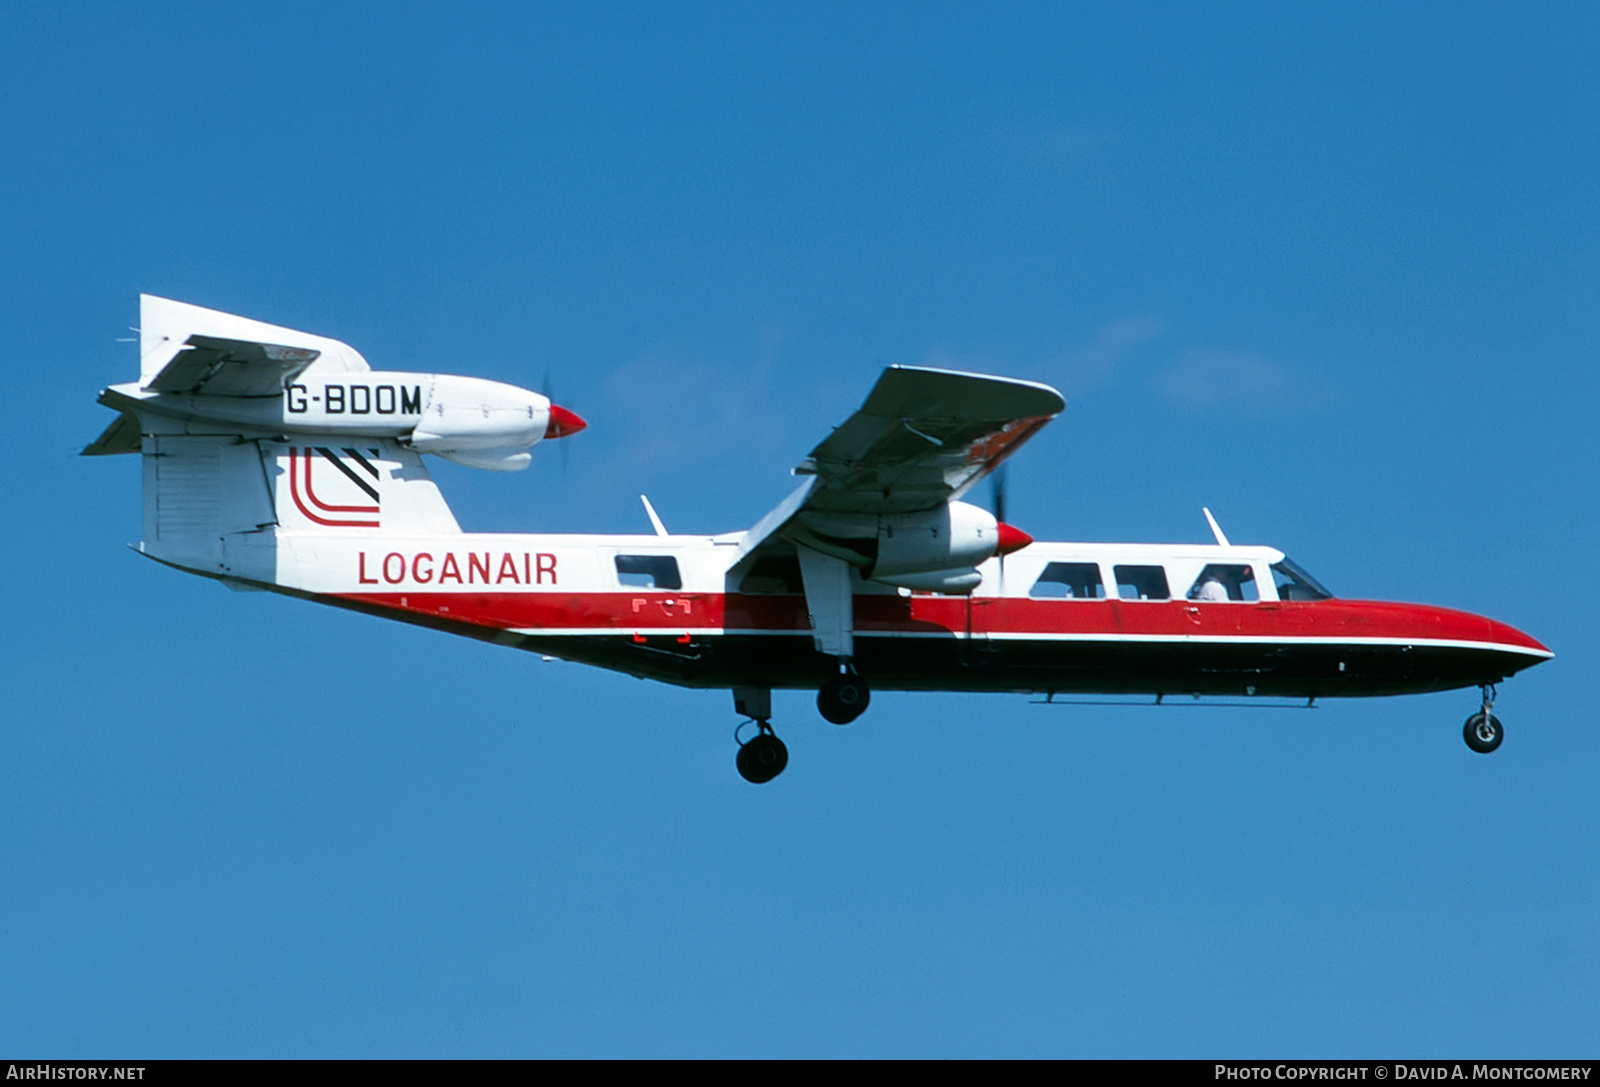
(1216, 529)
(661, 529)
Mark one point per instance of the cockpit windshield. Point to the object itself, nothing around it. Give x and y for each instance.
(1295, 584)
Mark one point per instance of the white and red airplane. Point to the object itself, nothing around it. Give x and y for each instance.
(279, 460)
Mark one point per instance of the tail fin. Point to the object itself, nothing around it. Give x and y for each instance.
(220, 497)
(221, 504)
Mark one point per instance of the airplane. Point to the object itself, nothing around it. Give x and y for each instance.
(278, 460)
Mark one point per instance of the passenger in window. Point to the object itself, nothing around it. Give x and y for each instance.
(1224, 582)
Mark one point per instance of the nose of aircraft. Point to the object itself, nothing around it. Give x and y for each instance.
(563, 422)
(1510, 637)
(1508, 645)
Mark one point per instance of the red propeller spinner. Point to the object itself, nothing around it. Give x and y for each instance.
(564, 423)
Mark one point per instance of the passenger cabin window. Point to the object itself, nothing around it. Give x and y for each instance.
(1142, 583)
(649, 571)
(1295, 584)
(1069, 581)
(1221, 581)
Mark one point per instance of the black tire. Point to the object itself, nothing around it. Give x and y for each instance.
(843, 698)
(1483, 732)
(762, 759)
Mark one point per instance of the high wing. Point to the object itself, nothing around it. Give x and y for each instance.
(922, 439)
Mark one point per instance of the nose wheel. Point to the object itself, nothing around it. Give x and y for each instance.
(763, 756)
(1483, 731)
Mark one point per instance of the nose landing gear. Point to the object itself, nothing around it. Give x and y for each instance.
(1483, 731)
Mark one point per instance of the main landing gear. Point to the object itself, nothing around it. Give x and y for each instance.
(763, 756)
(844, 697)
(1483, 732)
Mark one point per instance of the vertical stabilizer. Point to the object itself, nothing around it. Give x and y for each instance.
(237, 461)
(355, 487)
(220, 504)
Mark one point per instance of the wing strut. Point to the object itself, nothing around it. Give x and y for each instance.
(830, 601)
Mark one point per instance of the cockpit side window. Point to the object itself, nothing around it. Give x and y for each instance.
(1142, 583)
(649, 571)
(1070, 581)
(1295, 584)
(1225, 581)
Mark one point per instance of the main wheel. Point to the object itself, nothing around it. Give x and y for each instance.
(843, 698)
(762, 759)
(1483, 732)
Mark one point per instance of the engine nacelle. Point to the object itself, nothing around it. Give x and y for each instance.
(950, 582)
(480, 423)
(954, 537)
(204, 366)
(495, 460)
(932, 551)
(470, 420)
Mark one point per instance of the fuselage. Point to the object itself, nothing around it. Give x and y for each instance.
(1055, 618)
(281, 460)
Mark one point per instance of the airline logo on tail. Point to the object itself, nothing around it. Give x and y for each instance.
(344, 495)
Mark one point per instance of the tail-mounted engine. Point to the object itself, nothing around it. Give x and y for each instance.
(204, 367)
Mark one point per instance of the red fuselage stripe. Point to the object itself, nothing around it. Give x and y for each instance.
(1357, 621)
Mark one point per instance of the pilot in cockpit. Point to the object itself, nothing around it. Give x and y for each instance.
(1220, 582)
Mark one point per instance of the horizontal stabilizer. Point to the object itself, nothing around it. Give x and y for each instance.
(122, 436)
(191, 349)
(220, 367)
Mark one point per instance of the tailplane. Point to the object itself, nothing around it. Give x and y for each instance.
(252, 434)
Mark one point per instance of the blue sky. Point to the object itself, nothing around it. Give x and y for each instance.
(1330, 272)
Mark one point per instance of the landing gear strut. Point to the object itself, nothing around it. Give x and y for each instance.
(843, 698)
(1483, 732)
(762, 757)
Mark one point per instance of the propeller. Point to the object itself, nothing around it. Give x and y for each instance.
(1011, 538)
(997, 495)
(562, 420)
